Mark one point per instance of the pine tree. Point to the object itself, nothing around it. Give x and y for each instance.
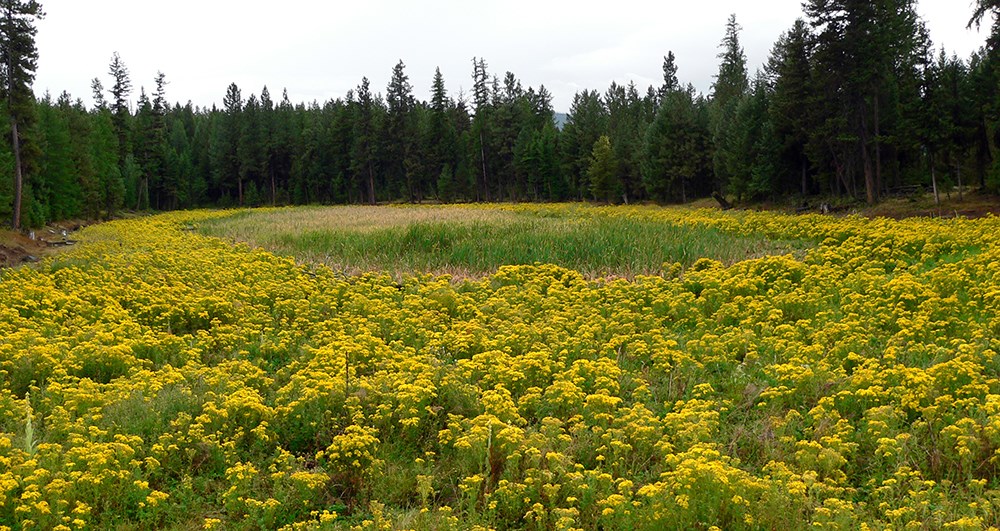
(481, 124)
(6, 186)
(399, 134)
(97, 90)
(121, 113)
(675, 148)
(231, 125)
(982, 10)
(588, 120)
(603, 170)
(145, 146)
(250, 151)
(670, 82)
(545, 179)
(18, 61)
(82, 155)
(755, 169)
(868, 60)
(791, 113)
(106, 164)
(730, 87)
(628, 120)
(57, 193)
(510, 112)
(947, 127)
(363, 148)
(282, 134)
(163, 192)
(986, 76)
(441, 139)
(268, 143)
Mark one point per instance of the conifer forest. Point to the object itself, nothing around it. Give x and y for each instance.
(854, 101)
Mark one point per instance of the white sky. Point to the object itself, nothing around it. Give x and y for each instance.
(319, 50)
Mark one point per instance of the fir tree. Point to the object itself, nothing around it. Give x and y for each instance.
(18, 62)
(121, 112)
(603, 170)
(731, 84)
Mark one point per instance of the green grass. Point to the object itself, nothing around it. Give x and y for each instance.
(470, 242)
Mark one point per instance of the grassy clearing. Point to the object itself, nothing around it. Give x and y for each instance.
(471, 242)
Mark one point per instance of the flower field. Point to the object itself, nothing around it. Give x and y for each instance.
(153, 377)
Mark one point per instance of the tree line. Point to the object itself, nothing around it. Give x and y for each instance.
(853, 101)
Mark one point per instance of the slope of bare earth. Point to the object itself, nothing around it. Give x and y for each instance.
(18, 248)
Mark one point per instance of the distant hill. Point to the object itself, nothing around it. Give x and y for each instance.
(560, 118)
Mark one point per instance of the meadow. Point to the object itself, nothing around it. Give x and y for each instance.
(470, 242)
(693, 369)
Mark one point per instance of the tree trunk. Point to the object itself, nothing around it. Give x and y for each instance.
(273, 193)
(482, 154)
(18, 175)
(239, 189)
(871, 195)
(726, 205)
(805, 180)
(371, 185)
(143, 191)
(878, 150)
(958, 173)
(982, 150)
(937, 197)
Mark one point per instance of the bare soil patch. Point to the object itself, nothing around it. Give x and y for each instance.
(18, 248)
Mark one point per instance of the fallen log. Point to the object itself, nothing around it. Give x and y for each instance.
(726, 205)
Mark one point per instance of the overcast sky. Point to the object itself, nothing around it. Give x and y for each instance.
(319, 50)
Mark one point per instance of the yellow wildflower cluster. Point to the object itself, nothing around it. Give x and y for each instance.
(156, 377)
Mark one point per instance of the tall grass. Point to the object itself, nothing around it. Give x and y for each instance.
(467, 241)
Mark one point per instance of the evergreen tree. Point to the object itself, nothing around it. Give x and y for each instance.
(165, 192)
(791, 111)
(481, 125)
(106, 164)
(627, 125)
(441, 139)
(307, 167)
(399, 134)
(755, 170)
(446, 184)
(546, 179)
(730, 87)
(146, 144)
(984, 9)
(57, 193)
(121, 113)
(947, 130)
(853, 105)
(230, 129)
(868, 59)
(986, 79)
(363, 148)
(268, 147)
(18, 61)
(603, 171)
(510, 112)
(676, 150)
(82, 156)
(97, 89)
(670, 82)
(6, 186)
(588, 120)
(251, 152)
(282, 135)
